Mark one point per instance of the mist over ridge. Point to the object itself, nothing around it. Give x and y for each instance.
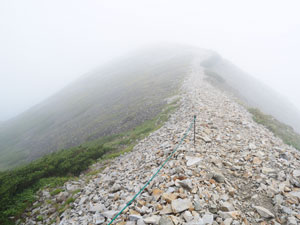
(111, 99)
(255, 93)
(121, 94)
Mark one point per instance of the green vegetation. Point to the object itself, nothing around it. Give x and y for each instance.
(56, 191)
(40, 218)
(69, 200)
(18, 186)
(281, 130)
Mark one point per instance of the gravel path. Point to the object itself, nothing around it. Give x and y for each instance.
(238, 172)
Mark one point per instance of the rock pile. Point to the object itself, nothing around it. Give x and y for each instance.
(237, 173)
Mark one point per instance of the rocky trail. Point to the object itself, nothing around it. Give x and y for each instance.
(238, 172)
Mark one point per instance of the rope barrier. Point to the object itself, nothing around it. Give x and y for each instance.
(142, 189)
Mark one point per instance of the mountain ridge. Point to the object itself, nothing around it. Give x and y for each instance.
(109, 100)
(237, 172)
(120, 95)
(255, 93)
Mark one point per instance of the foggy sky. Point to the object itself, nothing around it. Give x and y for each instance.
(44, 45)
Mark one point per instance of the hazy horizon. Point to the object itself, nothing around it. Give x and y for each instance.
(46, 45)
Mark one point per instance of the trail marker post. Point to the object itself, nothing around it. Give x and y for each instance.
(194, 130)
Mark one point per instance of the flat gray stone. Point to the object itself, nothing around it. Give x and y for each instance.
(165, 220)
(218, 177)
(188, 216)
(186, 184)
(192, 160)
(296, 173)
(197, 205)
(295, 194)
(291, 221)
(228, 221)
(227, 207)
(71, 187)
(152, 220)
(115, 188)
(134, 217)
(140, 222)
(99, 219)
(109, 214)
(208, 219)
(180, 205)
(62, 196)
(263, 212)
(98, 207)
(82, 200)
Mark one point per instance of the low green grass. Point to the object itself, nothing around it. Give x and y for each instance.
(56, 191)
(69, 200)
(40, 218)
(281, 130)
(19, 186)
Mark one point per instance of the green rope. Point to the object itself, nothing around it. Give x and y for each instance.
(175, 149)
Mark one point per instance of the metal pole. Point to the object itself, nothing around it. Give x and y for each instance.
(194, 130)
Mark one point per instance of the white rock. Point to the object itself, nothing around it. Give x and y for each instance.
(227, 221)
(82, 200)
(186, 184)
(98, 207)
(208, 219)
(62, 196)
(165, 220)
(115, 188)
(264, 212)
(187, 216)
(296, 173)
(99, 219)
(180, 205)
(71, 187)
(226, 207)
(252, 146)
(295, 194)
(206, 139)
(291, 221)
(267, 170)
(134, 217)
(46, 194)
(152, 220)
(140, 222)
(192, 160)
(109, 214)
(196, 222)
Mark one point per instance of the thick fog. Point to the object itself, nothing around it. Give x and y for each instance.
(44, 45)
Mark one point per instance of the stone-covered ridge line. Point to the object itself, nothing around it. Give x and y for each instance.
(238, 173)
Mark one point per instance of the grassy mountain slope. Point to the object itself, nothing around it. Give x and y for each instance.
(109, 100)
(18, 186)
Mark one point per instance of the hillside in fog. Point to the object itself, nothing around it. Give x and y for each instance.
(254, 93)
(109, 100)
(121, 95)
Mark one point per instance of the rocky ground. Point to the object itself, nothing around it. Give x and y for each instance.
(237, 173)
